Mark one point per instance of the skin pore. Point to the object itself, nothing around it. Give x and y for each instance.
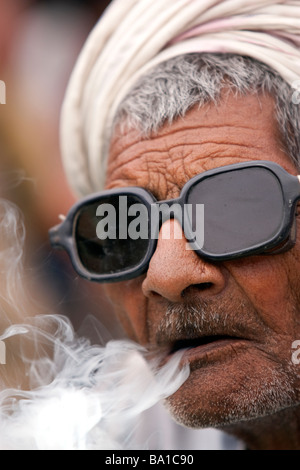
(247, 385)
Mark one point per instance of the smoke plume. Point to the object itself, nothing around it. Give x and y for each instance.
(57, 391)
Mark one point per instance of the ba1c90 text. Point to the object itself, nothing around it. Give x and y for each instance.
(176, 459)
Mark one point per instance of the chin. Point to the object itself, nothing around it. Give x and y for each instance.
(203, 401)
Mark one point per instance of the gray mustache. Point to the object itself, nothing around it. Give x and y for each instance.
(206, 318)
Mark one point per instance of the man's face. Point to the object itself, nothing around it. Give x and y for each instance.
(242, 315)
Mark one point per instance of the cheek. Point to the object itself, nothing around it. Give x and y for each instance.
(130, 306)
(271, 283)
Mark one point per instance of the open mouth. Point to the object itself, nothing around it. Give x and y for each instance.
(209, 341)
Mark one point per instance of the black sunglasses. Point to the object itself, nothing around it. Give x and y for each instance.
(226, 213)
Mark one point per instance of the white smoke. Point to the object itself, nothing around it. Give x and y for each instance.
(78, 396)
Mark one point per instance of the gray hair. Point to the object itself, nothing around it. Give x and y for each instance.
(172, 88)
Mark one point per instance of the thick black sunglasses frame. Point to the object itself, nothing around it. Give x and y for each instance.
(63, 235)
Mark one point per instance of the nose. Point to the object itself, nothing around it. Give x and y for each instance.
(174, 269)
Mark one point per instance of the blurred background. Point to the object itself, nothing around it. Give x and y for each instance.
(39, 44)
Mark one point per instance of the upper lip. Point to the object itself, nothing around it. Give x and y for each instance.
(200, 323)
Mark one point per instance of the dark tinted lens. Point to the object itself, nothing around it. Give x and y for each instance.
(110, 240)
(242, 209)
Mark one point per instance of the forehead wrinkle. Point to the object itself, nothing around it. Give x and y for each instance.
(222, 113)
(174, 161)
(131, 151)
(133, 139)
(161, 145)
(139, 168)
(191, 145)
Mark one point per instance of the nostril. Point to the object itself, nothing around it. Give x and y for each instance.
(197, 287)
(203, 285)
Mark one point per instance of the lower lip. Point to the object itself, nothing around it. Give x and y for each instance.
(217, 350)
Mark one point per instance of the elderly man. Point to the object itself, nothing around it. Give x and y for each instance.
(192, 103)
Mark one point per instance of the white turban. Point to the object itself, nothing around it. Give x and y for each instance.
(134, 35)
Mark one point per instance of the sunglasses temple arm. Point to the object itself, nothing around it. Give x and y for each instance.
(56, 236)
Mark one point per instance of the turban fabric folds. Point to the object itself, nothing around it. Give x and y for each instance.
(134, 35)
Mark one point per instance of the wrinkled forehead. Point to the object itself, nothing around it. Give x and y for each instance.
(238, 128)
